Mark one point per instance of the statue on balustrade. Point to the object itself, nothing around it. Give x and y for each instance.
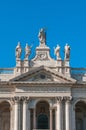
(18, 51)
(57, 52)
(67, 52)
(42, 36)
(27, 51)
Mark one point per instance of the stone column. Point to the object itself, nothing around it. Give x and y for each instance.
(56, 119)
(73, 122)
(25, 110)
(16, 113)
(28, 120)
(0, 120)
(51, 125)
(68, 113)
(84, 124)
(34, 118)
(11, 118)
(59, 114)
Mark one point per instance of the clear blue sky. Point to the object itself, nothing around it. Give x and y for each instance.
(64, 20)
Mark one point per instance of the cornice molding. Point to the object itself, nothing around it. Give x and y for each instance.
(45, 69)
(14, 84)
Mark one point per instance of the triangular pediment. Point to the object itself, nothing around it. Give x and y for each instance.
(43, 74)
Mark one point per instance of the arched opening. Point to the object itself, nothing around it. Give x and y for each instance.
(42, 111)
(42, 121)
(4, 116)
(80, 115)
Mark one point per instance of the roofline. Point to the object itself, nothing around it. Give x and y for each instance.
(32, 71)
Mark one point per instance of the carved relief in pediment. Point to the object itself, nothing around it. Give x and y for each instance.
(44, 77)
(41, 77)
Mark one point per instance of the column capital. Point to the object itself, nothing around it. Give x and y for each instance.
(68, 99)
(16, 99)
(59, 99)
(24, 99)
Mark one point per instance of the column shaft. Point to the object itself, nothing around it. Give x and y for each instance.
(0, 120)
(16, 101)
(11, 118)
(28, 120)
(73, 121)
(56, 114)
(59, 116)
(84, 124)
(34, 118)
(24, 115)
(16, 121)
(68, 115)
(51, 119)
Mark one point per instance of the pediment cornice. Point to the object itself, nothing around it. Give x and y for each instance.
(14, 84)
(47, 71)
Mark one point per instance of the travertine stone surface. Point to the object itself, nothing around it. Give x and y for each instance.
(42, 93)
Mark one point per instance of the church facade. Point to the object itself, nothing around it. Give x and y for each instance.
(42, 93)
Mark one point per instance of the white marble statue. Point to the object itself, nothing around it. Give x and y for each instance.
(67, 51)
(42, 36)
(18, 51)
(27, 51)
(57, 52)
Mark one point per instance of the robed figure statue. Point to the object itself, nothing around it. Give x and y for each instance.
(42, 36)
(18, 51)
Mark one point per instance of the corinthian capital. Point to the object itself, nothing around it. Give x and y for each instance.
(16, 99)
(24, 99)
(59, 99)
(68, 99)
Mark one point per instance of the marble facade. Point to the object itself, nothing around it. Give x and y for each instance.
(42, 93)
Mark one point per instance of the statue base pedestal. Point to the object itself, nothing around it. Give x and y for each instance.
(67, 68)
(18, 63)
(59, 65)
(26, 65)
(18, 69)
